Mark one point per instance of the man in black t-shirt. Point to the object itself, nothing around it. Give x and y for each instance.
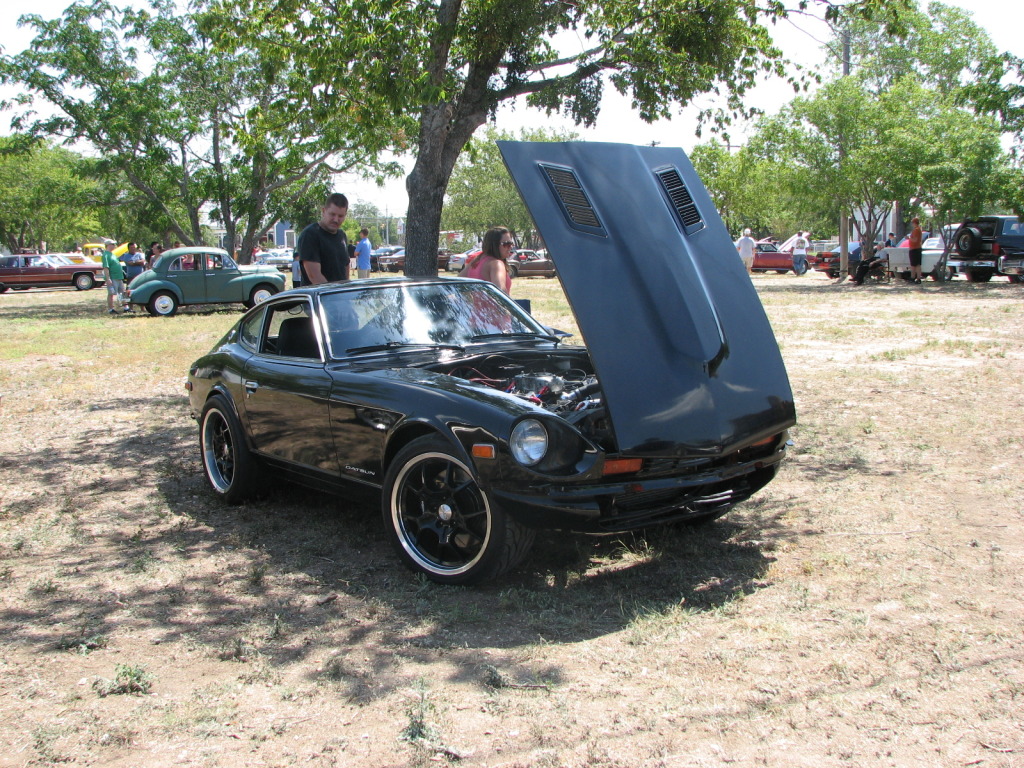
(322, 247)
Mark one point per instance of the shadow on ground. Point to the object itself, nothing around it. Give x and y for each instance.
(146, 549)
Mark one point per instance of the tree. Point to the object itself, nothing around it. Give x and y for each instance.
(942, 49)
(46, 195)
(481, 194)
(442, 67)
(196, 131)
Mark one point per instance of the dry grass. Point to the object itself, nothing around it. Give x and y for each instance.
(864, 609)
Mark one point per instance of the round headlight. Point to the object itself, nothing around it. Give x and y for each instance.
(529, 442)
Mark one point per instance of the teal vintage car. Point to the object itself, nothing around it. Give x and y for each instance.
(200, 275)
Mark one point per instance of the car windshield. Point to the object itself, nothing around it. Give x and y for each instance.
(372, 319)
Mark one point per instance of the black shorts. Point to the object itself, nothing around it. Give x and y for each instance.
(915, 257)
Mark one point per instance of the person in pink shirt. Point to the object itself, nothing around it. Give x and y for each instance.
(490, 264)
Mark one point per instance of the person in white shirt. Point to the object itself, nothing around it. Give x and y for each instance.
(745, 246)
(800, 246)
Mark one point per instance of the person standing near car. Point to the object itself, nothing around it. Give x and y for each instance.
(134, 262)
(491, 263)
(800, 246)
(322, 247)
(296, 270)
(363, 249)
(113, 273)
(914, 242)
(745, 246)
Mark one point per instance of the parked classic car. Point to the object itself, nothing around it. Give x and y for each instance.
(43, 271)
(200, 275)
(768, 257)
(474, 423)
(527, 263)
(458, 260)
(280, 258)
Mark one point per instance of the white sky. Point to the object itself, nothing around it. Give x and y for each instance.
(799, 39)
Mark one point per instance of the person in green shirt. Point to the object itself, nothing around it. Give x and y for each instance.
(113, 272)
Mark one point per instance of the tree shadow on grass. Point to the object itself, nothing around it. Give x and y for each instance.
(50, 309)
(146, 548)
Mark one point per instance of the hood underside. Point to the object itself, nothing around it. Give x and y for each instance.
(680, 342)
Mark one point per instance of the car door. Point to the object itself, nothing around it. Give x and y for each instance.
(37, 272)
(287, 390)
(222, 279)
(188, 275)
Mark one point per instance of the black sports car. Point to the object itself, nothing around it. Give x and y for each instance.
(477, 424)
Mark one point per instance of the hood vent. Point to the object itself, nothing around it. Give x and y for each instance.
(575, 203)
(686, 209)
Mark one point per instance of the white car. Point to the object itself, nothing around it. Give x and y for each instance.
(931, 253)
(280, 258)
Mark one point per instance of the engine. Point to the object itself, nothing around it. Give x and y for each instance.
(572, 392)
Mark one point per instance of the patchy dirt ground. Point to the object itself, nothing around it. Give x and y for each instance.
(863, 610)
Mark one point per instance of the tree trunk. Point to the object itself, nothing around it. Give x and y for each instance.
(444, 131)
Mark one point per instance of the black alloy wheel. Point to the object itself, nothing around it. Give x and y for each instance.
(229, 465)
(442, 523)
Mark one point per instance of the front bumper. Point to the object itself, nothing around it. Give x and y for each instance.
(633, 502)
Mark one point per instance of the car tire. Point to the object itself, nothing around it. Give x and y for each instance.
(85, 281)
(979, 274)
(162, 304)
(968, 242)
(3, 288)
(442, 523)
(260, 293)
(1015, 278)
(513, 270)
(230, 467)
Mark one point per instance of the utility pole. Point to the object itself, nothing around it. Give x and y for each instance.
(844, 219)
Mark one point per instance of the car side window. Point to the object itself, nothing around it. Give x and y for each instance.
(289, 331)
(213, 261)
(249, 331)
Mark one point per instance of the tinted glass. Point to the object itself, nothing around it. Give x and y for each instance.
(420, 314)
(249, 331)
(1011, 227)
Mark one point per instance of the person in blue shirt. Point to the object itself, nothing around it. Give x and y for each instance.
(363, 249)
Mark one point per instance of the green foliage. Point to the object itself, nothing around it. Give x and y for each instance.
(127, 680)
(199, 128)
(46, 195)
(481, 193)
(437, 69)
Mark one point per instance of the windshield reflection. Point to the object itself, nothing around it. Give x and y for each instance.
(419, 314)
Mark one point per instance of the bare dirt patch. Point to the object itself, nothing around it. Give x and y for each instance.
(864, 609)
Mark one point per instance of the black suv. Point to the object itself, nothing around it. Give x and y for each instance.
(991, 245)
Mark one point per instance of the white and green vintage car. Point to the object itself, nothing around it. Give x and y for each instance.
(200, 275)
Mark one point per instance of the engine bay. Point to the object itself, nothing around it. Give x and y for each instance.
(562, 383)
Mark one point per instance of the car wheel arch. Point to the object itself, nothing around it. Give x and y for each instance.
(414, 430)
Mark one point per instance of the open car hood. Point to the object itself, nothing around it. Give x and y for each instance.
(680, 342)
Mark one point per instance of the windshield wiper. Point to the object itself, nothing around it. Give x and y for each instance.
(516, 335)
(397, 344)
